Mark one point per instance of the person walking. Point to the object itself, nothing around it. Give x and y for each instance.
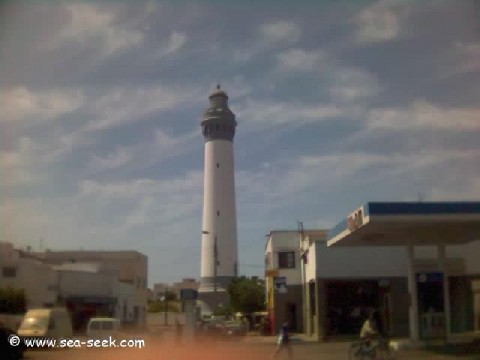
(284, 342)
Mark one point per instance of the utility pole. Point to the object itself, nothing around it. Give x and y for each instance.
(166, 305)
(305, 295)
(215, 259)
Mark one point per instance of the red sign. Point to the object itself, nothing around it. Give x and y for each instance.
(355, 220)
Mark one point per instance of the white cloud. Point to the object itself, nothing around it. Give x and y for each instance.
(112, 161)
(256, 113)
(90, 23)
(133, 189)
(300, 60)
(423, 115)
(451, 191)
(18, 166)
(22, 103)
(289, 181)
(125, 105)
(377, 23)
(176, 42)
(151, 201)
(280, 31)
(467, 58)
(274, 34)
(350, 84)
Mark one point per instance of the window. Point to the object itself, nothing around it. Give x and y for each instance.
(218, 213)
(218, 165)
(9, 272)
(95, 325)
(107, 325)
(286, 260)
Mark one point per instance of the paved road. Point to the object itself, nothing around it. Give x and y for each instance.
(245, 350)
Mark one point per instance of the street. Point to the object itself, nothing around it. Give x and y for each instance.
(246, 349)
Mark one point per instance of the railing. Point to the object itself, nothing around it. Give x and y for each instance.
(432, 325)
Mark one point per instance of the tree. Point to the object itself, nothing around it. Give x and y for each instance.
(12, 301)
(247, 295)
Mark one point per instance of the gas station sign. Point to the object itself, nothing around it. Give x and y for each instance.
(355, 219)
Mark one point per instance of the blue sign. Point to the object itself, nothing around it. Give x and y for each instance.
(280, 283)
(188, 294)
(430, 277)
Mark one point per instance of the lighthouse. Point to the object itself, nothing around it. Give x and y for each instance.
(219, 254)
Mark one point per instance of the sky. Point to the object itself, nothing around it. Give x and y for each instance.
(338, 103)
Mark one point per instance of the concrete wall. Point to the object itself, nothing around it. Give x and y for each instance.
(345, 262)
(129, 299)
(37, 279)
(293, 296)
(285, 241)
(76, 283)
(132, 266)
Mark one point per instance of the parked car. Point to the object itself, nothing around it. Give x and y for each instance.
(103, 327)
(51, 323)
(236, 328)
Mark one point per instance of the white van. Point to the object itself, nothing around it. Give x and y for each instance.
(52, 323)
(103, 327)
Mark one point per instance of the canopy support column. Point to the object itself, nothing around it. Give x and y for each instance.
(442, 262)
(412, 290)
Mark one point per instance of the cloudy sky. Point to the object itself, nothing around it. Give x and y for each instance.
(337, 102)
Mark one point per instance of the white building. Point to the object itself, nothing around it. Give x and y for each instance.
(284, 277)
(159, 289)
(89, 283)
(21, 271)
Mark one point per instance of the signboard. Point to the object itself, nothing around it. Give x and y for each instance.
(271, 273)
(188, 294)
(430, 277)
(355, 219)
(280, 283)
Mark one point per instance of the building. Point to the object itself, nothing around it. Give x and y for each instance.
(94, 289)
(22, 271)
(284, 278)
(125, 271)
(159, 289)
(186, 283)
(415, 263)
(89, 283)
(219, 259)
(132, 265)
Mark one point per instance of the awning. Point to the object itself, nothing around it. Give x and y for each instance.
(402, 223)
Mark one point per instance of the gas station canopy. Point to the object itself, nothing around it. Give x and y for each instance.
(408, 223)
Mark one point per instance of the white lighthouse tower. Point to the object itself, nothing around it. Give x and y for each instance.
(219, 260)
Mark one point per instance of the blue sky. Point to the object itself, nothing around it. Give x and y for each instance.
(337, 103)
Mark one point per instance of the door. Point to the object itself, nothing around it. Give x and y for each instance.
(292, 316)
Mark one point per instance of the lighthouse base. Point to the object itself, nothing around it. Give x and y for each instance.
(215, 297)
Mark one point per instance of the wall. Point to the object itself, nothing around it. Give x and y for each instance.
(132, 266)
(37, 279)
(77, 283)
(287, 241)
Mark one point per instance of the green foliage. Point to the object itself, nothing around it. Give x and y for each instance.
(159, 306)
(12, 301)
(247, 295)
(171, 296)
(223, 311)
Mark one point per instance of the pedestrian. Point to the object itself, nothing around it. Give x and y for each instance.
(283, 342)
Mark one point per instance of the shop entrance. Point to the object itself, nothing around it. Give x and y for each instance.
(349, 303)
(431, 304)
